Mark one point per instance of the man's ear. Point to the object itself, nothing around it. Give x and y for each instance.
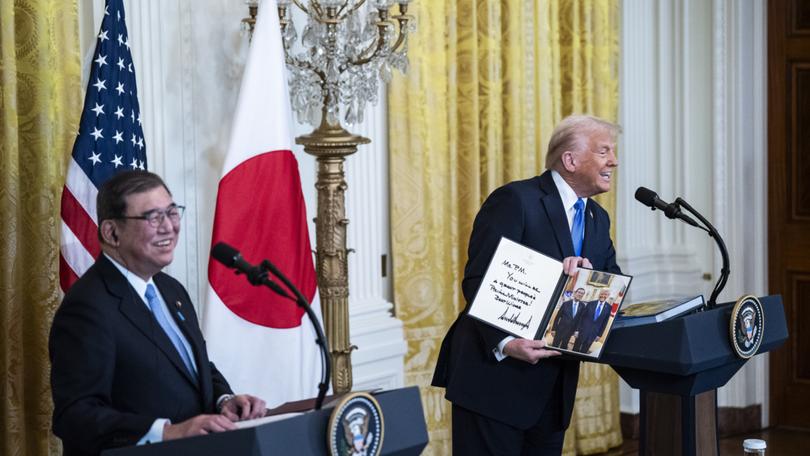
(108, 232)
(569, 161)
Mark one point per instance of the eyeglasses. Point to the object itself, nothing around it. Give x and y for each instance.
(155, 217)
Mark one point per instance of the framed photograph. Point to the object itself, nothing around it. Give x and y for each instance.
(583, 316)
(600, 279)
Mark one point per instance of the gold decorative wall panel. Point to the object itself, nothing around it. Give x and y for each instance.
(40, 104)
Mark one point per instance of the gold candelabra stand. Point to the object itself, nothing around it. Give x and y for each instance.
(346, 46)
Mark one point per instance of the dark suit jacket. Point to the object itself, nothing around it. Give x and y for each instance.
(512, 391)
(566, 322)
(589, 329)
(114, 370)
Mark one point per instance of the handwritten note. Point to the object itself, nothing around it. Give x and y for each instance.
(517, 289)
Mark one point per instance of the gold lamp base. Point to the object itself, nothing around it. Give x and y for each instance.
(330, 145)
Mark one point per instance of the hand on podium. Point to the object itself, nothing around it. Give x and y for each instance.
(243, 407)
(199, 425)
(235, 408)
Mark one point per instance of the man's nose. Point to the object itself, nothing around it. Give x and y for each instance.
(612, 159)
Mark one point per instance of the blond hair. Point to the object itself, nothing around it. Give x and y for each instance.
(572, 134)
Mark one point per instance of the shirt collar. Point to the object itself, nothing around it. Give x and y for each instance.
(568, 195)
(137, 283)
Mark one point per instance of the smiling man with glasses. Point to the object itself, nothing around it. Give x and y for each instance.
(129, 364)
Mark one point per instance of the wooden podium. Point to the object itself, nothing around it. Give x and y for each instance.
(677, 365)
(306, 434)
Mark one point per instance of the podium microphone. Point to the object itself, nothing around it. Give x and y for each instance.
(231, 258)
(650, 199)
(258, 275)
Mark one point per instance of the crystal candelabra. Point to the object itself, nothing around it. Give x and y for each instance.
(346, 46)
(342, 53)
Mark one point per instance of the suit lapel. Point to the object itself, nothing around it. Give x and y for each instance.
(135, 310)
(177, 308)
(556, 214)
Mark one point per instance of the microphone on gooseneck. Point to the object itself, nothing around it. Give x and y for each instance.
(231, 258)
(650, 199)
(256, 275)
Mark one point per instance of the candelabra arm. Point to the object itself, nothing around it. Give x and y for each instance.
(402, 20)
(403, 24)
(368, 55)
(302, 7)
(316, 7)
(377, 46)
(342, 12)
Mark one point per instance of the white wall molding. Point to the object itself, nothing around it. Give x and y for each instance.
(162, 51)
(740, 173)
(651, 246)
(693, 104)
(653, 101)
(651, 280)
(378, 334)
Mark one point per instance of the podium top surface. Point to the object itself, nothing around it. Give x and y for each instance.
(305, 434)
(690, 344)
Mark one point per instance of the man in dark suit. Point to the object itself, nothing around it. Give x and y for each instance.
(128, 360)
(567, 319)
(594, 320)
(509, 395)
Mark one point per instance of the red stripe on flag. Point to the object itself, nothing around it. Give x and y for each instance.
(79, 221)
(261, 212)
(67, 277)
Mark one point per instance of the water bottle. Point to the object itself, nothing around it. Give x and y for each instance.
(754, 447)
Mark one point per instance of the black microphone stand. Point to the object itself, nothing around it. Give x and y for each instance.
(725, 270)
(302, 302)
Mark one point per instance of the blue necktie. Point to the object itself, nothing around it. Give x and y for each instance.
(157, 311)
(578, 226)
(598, 311)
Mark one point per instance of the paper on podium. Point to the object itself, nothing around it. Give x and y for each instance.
(264, 420)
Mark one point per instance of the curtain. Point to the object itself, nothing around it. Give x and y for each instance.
(487, 83)
(40, 103)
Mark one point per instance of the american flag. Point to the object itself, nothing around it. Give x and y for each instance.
(110, 139)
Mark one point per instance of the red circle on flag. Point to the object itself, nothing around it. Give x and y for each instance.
(260, 211)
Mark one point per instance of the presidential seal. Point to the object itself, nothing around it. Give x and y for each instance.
(746, 326)
(356, 427)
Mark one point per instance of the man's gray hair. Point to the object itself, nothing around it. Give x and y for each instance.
(571, 134)
(111, 200)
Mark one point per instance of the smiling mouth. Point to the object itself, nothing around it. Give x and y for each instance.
(164, 243)
(606, 175)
